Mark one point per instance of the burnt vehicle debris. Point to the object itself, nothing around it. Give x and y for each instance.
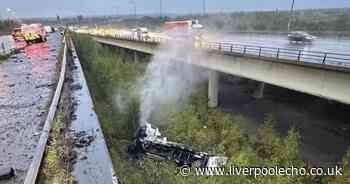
(82, 139)
(148, 141)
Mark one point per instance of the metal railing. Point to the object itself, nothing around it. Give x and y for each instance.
(294, 55)
(5, 48)
(146, 39)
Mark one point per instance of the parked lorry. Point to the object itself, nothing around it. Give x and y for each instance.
(183, 28)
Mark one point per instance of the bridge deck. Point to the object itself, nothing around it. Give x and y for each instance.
(319, 79)
(327, 60)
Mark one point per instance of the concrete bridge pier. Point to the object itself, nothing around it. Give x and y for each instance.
(213, 89)
(136, 57)
(259, 91)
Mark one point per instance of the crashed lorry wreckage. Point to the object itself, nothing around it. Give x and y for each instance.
(149, 142)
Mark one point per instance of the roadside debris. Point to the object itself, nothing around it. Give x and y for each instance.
(7, 173)
(40, 114)
(46, 85)
(76, 87)
(36, 134)
(73, 156)
(82, 139)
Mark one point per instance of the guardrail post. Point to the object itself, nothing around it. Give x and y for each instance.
(299, 55)
(259, 51)
(244, 50)
(3, 47)
(324, 59)
(231, 49)
(278, 53)
(213, 88)
(219, 46)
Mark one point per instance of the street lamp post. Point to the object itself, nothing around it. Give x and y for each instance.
(291, 15)
(204, 7)
(134, 5)
(135, 13)
(160, 9)
(116, 11)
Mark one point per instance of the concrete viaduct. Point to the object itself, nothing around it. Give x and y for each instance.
(326, 75)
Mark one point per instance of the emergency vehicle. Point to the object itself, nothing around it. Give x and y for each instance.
(33, 33)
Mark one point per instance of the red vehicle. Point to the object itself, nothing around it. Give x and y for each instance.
(182, 28)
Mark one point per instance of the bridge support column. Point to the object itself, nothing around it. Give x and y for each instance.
(136, 57)
(213, 89)
(259, 91)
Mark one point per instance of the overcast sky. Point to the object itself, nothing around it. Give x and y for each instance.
(45, 8)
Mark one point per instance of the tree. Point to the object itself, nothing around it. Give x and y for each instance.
(342, 23)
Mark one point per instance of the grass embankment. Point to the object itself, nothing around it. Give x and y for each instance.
(112, 77)
(7, 25)
(4, 57)
(55, 166)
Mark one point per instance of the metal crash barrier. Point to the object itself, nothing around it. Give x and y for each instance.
(297, 55)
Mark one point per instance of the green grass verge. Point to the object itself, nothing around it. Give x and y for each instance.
(56, 165)
(4, 57)
(112, 80)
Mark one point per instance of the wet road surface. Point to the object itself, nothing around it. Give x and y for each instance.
(27, 81)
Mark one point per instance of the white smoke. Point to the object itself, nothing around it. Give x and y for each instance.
(121, 100)
(167, 80)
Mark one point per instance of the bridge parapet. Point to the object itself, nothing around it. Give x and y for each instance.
(294, 55)
(297, 56)
(318, 79)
